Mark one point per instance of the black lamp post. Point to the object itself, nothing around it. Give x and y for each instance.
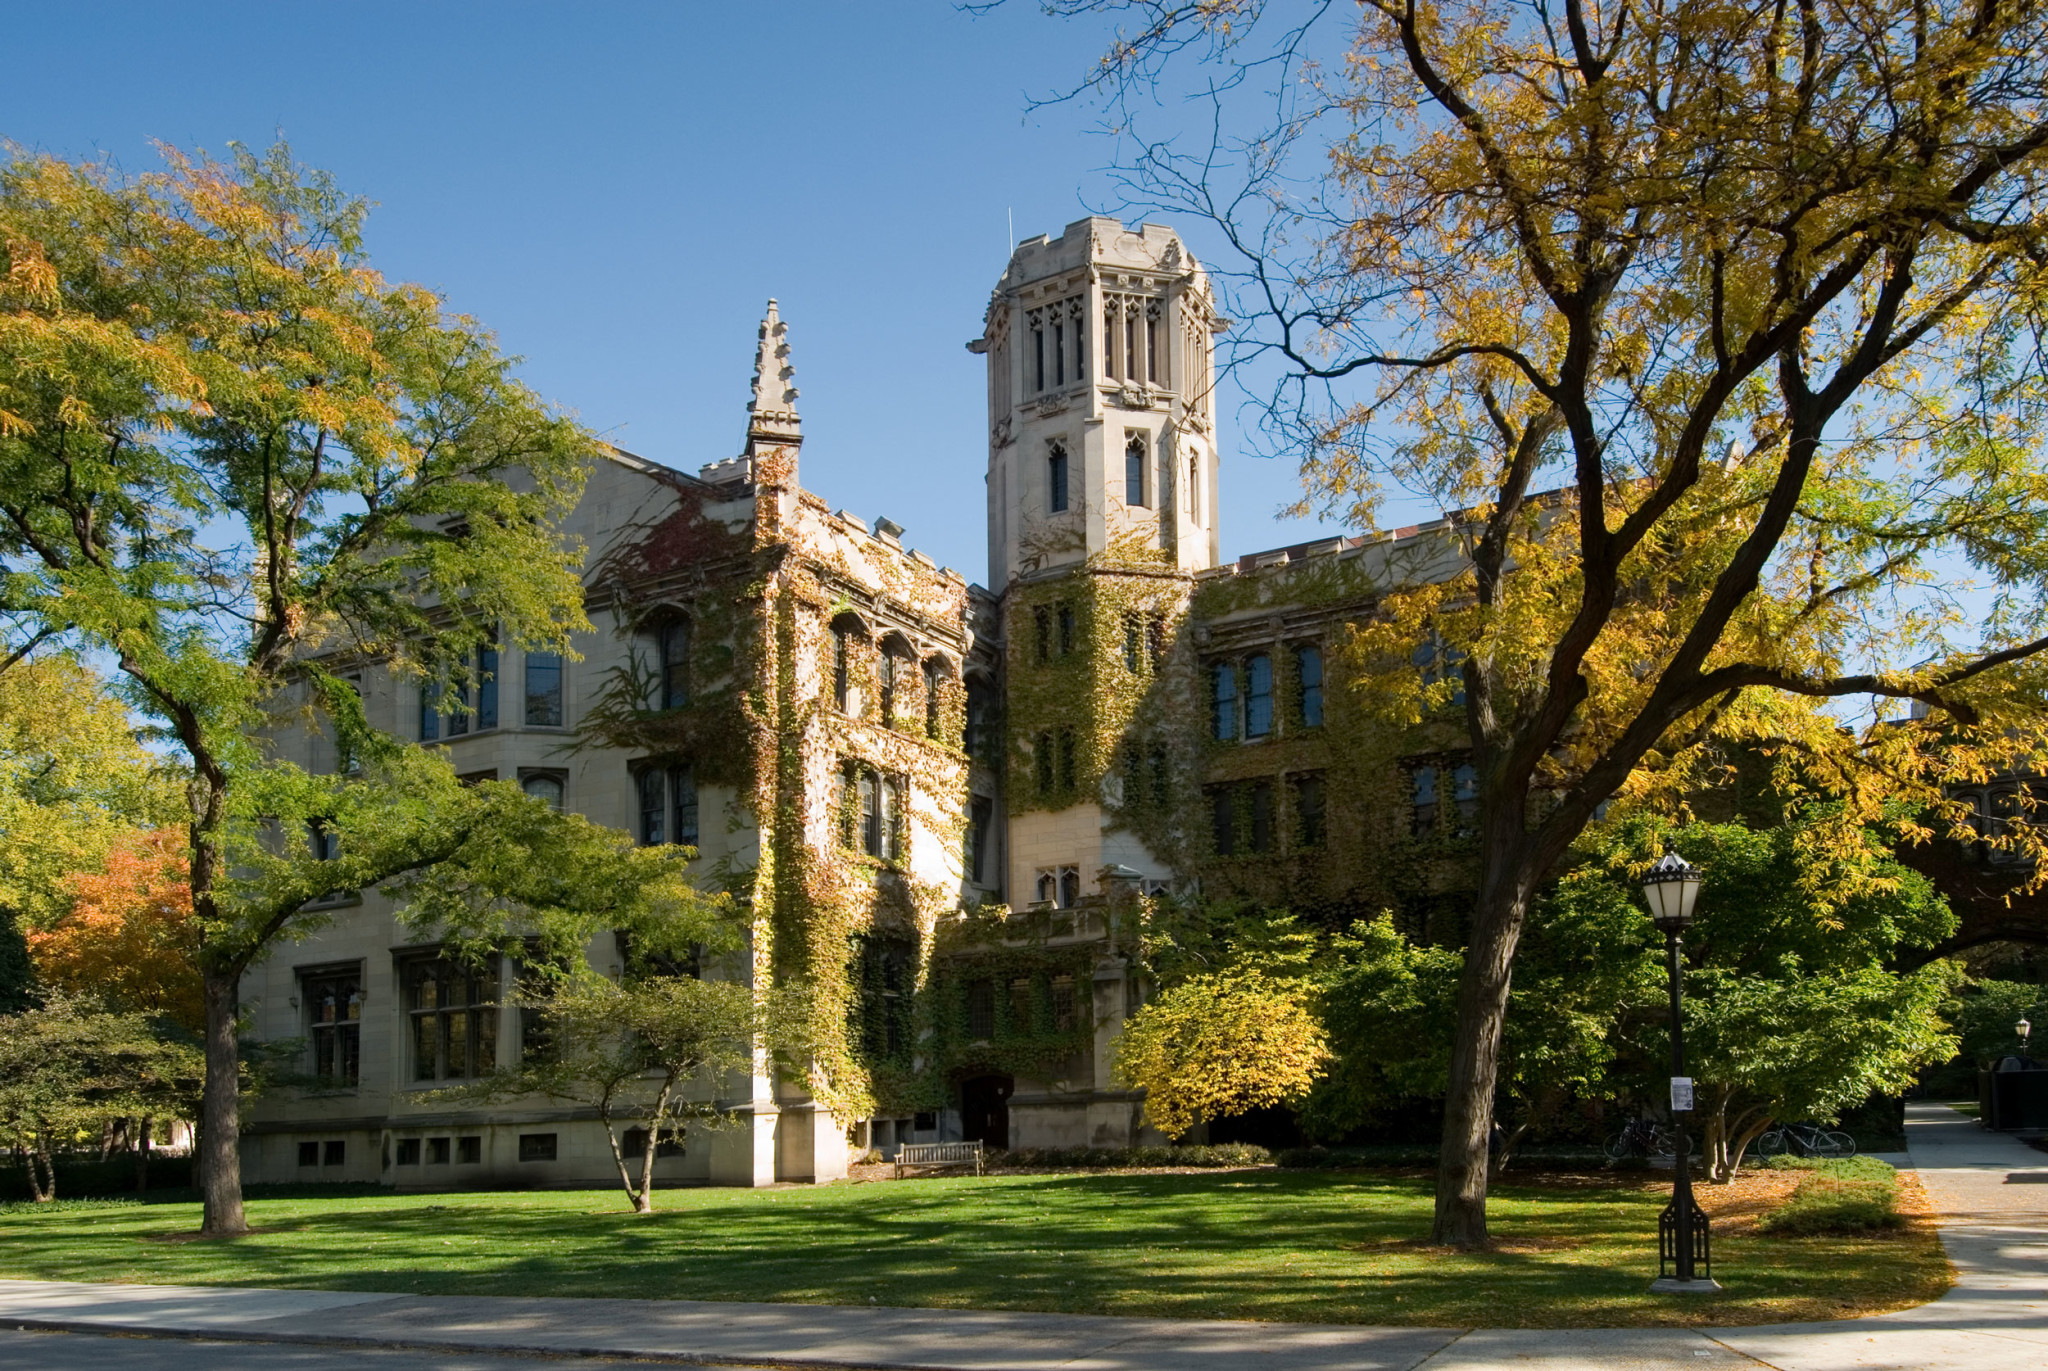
(1684, 1258)
(2023, 1028)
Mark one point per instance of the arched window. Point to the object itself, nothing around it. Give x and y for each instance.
(675, 664)
(1134, 471)
(1056, 479)
(1070, 887)
(891, 666)
(545, 788)
(849, 636)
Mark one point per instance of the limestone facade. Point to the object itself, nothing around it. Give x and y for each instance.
(875, 755)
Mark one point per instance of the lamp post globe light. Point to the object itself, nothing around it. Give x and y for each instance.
(1684, 1255)
(2023, 1028)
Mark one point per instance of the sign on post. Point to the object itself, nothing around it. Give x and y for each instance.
(1681, 1094)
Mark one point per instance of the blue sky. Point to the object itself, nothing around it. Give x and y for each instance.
(617, 189)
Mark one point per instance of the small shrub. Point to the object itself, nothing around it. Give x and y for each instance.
(62, 1206)
(1094, 1158)
(1319, 1158)
(1849, 1195)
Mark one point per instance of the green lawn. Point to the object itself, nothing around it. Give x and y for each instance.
(1259, 1244)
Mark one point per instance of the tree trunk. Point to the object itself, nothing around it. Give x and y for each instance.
(1475, 1058)
(142, 1155)
(40, 1153)
(218, 1154)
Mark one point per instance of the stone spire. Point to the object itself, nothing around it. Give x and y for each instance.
(771, 415)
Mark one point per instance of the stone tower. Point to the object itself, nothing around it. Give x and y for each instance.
(1101, 508)
(1100, 347)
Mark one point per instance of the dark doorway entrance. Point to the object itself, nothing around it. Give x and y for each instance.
(985, 1110)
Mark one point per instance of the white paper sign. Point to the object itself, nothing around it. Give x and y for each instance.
(1681, 1092)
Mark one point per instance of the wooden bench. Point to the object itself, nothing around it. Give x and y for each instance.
(939, 1154)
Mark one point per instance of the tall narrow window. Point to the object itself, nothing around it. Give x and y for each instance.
(334, 1009)
(1153, 372)
(1042, 763)
(1423, 799)
(1070, 887)
(1037, 355)
(1262, 816)
(1067, 759)
(892, 667)
(1258, 696)
(544, 689)
(1308, 675)
(870, 813)
(1059, 353)
(1134, 630)
(1041, 620)
(652, 782)
(1465, 794)
(842, 667)
(1077, 311)
(1056, 480)
(675, 664)
(1131, 341)
(1194, 490)
(1134, 776)
(1223, 820)
(980, 738)
(486, 687)
(1066, 618)
(889, 828)
(1308, 811)
(980, 817)
(430, 711)
(931, 699)
(683, 790)
(1134, 471)
(1108, 335)
(1223, 701)
(1155, 639)
(1161, 778)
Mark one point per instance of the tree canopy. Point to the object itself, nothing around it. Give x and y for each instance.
(1753, 290)
(234, 458)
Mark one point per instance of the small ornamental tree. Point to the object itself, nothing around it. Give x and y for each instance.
(67, 1066)
(1220, 1044)
(1754, 291)
(228, 450)
(650, 1055)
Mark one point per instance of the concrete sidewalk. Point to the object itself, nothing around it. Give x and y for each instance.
(1995, 1225)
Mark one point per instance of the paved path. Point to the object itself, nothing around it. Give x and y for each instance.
(1992, 1191)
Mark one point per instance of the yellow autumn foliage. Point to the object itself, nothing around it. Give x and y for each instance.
(1218, 1045)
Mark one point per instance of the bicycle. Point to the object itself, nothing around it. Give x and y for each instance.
(1804, 1140)
(1643, 1138)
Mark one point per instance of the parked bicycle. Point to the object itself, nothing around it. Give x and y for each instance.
(1805, 1140)
(1643, 1138)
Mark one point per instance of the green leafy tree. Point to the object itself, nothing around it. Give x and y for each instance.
(1753, 290)
(1793, 1007)
(67, 1066)
(1985, 1012)
(649, 1054)
(228, 447)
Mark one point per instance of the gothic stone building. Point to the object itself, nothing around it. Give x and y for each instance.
(939, 804)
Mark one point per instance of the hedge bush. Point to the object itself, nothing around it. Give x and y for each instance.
(89, 1177)
(1212, 1154)
(1846, 1195)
